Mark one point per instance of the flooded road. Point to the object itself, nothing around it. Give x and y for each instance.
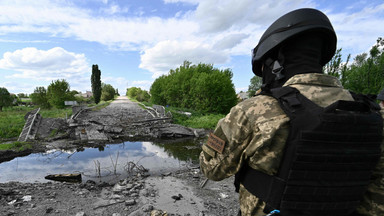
(109, 163)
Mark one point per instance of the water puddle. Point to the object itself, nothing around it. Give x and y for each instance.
(110, 163)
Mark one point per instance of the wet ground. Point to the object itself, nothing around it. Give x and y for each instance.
(176, 191)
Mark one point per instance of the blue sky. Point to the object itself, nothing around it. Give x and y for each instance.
(135, 41)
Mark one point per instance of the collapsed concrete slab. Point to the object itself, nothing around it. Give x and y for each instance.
(121, 120)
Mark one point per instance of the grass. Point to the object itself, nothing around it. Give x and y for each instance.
(12, 119)
(18, 146)
(196, 120)
(100, 105)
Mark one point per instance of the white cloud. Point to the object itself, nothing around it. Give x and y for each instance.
(115, 9)
(357, 31)
(168, 55)
(128, 33)
(184, 1)
(143, 84)
(211, 33)
(220, 15)
(229, 41)
(19, 87)
(48, 65)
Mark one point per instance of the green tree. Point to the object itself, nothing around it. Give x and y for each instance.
(96, 83)
(366, 75)
(200, 87)
(255, 85)
(107, 92)
(132, 92)
(138, 94)
(5, 98)
(22, 95)
(58, 92)
(40, 97)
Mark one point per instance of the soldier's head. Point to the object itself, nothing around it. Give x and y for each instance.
(301, 41)
(380, 97)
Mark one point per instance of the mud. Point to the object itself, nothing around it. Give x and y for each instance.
(176, 193)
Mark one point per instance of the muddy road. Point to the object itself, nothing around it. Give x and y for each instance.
(181, 192)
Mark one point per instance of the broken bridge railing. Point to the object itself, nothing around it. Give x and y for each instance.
(31, 126)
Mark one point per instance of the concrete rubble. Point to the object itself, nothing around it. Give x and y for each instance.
(122, 119)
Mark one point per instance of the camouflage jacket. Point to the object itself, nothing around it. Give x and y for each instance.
(255, 131)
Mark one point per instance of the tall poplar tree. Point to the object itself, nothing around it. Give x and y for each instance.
(96, 83)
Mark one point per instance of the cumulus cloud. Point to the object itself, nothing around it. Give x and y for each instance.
(357, 31)
(168, 55)
(211, 32)
(47, 65)
(220, 15)
(128, 33)
(229, 41)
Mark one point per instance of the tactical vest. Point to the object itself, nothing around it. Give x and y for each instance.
(328, 158)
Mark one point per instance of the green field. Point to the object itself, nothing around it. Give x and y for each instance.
(18, 146)
(12, 119)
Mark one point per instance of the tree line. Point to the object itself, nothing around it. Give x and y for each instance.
(59, 91)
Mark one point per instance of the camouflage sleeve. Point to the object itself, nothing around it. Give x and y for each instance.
(233, 132)
(373, 201)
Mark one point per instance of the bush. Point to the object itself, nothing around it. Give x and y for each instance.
(58, 92)
(5, 98)
(107, 92)
(202, 88)
(138, 94)
(40, 97)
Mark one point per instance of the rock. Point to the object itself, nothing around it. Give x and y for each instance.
(103, 184)
(80, 214)
(116, 214)
(147, 208)
(116, 196)
(177, 197)
(113, 129)
(158, 213)
(130, 202)
(134, 194)
(118, 188)
(11, 212)
(49, 210)
(223, 195)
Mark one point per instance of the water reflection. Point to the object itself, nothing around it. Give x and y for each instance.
(157, 157)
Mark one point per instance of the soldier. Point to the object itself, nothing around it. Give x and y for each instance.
(250, 141)
(380, 97)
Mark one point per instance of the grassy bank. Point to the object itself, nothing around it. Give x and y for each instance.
(16, 146)
(195, 119)
(12, 119)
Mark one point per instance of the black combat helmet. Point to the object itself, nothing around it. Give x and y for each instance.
(292, 24)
